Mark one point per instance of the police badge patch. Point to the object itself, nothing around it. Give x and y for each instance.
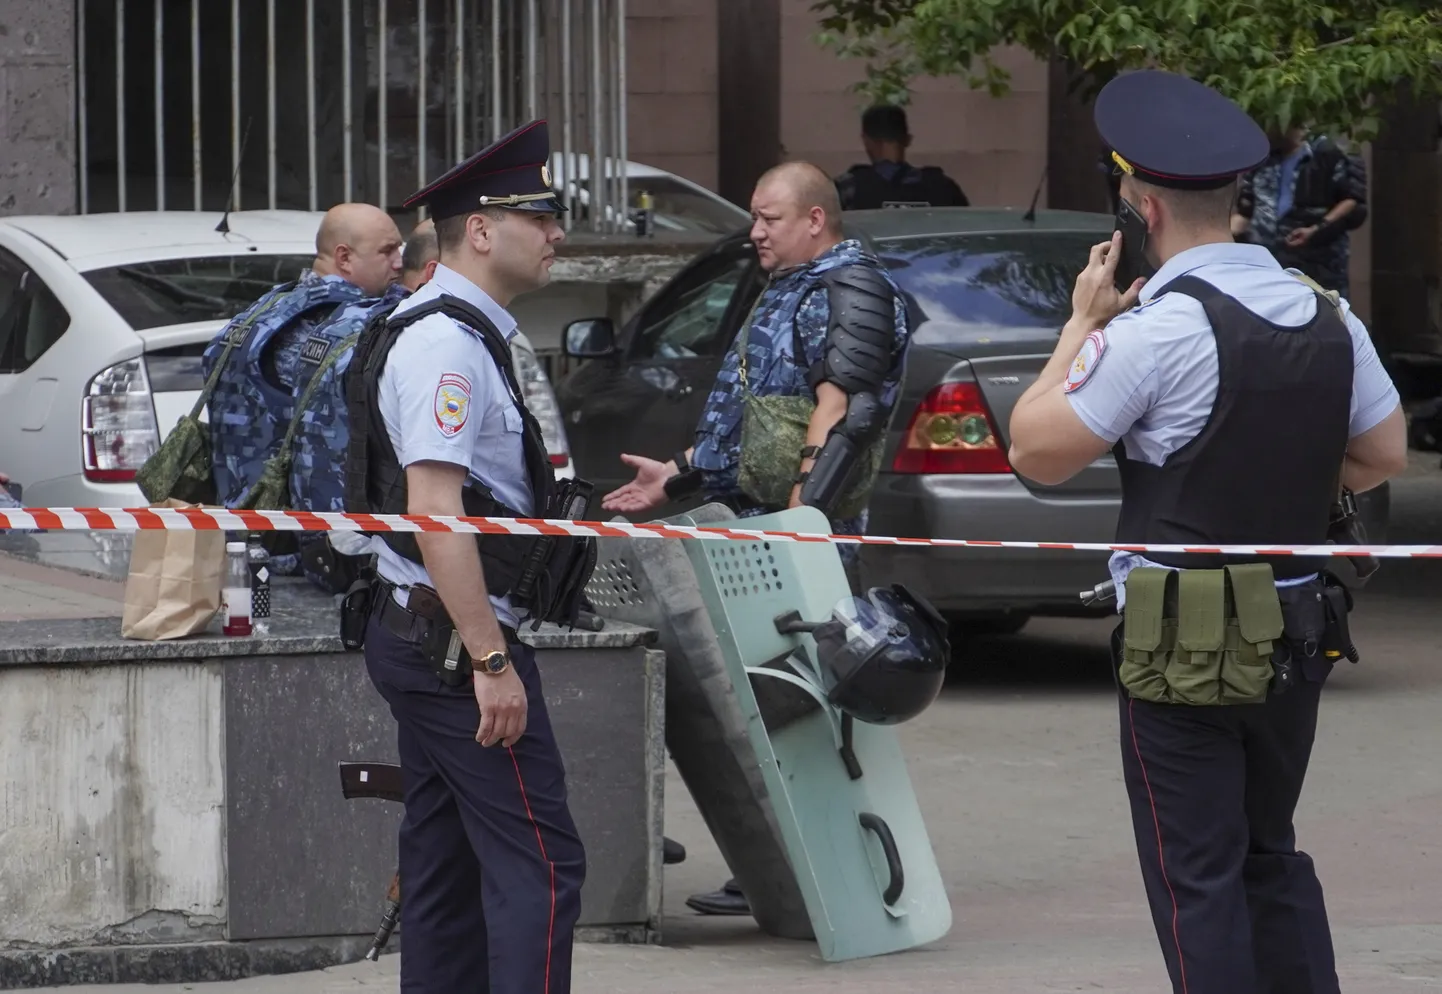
(453, 403)
(1086, 361)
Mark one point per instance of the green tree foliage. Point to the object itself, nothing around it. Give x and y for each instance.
(1331, 66)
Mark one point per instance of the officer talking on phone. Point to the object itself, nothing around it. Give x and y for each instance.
(491, 865)
(1237, 400)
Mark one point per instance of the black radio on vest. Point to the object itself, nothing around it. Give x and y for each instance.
(376, 482)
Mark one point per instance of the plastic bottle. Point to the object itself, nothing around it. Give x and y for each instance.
(259, 562)
(235, 591)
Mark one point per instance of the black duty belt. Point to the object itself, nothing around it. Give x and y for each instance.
(407, 624)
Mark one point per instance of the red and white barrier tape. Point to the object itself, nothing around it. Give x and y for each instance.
(220, 519)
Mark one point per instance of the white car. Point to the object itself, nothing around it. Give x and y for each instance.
(103, 320)
(677, 204)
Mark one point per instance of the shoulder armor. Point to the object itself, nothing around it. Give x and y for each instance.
(862, 329)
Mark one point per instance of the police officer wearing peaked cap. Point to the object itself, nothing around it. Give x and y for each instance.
(1237, 399)
(491, 865)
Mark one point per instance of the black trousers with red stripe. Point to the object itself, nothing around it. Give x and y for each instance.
(491, 866)
(1238, 908)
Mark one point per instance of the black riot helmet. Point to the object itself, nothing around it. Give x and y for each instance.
(883, 655)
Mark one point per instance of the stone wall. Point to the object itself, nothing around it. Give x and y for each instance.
(37, 107)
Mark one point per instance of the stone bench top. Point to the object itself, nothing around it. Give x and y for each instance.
(303, 621)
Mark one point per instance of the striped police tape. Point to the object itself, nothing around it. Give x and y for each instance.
(221, 519)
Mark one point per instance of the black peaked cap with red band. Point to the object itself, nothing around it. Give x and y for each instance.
(512, 172)
(1171, 131)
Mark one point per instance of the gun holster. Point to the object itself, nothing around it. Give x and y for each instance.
(337, 571)
(355, 610)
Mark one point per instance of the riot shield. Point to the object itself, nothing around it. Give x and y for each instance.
(839, 790)
(651, 582)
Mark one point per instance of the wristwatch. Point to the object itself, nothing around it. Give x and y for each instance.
(687, 481)
(492, 663)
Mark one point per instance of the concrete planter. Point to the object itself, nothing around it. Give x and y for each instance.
(171, 812)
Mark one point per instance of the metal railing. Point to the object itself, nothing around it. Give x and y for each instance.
(355, 99)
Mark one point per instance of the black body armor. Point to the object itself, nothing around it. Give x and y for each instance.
(1265, 469)
(545, 576)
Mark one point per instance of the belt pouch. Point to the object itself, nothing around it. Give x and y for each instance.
(1252, 634)
(1337, 637)
(1194, 671)
(447, 655)
(1149, 636)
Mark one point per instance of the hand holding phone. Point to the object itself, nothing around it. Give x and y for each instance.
(1132, 265)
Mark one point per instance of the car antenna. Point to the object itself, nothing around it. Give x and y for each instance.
(1030, 214)
(224, 226)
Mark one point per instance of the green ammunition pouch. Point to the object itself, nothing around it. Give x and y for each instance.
(1200, 637)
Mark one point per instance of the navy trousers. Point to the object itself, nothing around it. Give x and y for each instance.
(491, 866)
(1237, 907)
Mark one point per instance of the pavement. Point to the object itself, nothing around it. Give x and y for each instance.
(1018, 773)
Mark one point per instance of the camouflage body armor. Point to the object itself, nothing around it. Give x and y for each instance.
(255, 395)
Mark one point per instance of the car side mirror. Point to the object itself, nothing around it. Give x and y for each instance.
(593, 338)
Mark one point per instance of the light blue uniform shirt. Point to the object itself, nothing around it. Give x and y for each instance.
(443, 398)
(1156, 380)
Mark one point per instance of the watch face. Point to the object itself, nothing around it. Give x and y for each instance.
(495, 662)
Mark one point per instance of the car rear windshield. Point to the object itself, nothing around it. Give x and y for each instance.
(178, 291)
(1018, 279)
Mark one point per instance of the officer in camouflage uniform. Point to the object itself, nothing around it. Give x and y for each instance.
(831, 302)
(281, 342)
(888, 179)
(1302, 203)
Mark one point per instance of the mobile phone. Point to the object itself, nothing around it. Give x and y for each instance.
(1133, 261)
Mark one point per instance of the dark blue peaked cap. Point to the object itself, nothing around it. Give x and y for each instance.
(1172, 131)
(513, 172)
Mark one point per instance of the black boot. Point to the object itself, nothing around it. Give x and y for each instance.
(727, 901)
(672, 851)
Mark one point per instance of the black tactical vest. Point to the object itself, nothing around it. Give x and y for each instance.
(1265, 468)
(866, 189)
(376, 482)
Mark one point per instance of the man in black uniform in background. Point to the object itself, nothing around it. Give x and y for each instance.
(889, 180)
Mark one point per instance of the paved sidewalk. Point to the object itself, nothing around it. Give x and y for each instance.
(31, 591)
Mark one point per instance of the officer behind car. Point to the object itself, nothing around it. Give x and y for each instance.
(420, 256)
(490, 861)
(268, 353)
(834, 303)
(1238, 399)
(888, 179)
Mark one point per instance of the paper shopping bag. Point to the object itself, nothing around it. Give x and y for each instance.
(173, 588)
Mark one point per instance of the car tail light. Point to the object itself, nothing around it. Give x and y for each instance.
(541, 402)
(951, 432)
(118, 427)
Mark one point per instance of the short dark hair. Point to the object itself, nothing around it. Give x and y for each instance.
(1198, 208)
(421, 248)
(451, 231)
(884, 123)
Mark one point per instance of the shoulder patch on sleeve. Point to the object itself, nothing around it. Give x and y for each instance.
(1086, 361)
(452, 403)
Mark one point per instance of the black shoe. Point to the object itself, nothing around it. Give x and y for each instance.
(672, 851)
(727, 901)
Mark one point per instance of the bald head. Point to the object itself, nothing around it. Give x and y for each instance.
(361, 244)
(796, 215)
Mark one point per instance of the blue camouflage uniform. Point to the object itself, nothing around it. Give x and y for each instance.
(794, 305)
(254, 399)
(1288, 192)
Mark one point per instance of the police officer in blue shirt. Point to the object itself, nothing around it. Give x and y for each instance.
(491, 865)
(1237, 401)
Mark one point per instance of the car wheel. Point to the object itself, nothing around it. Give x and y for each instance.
(1001, 623)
